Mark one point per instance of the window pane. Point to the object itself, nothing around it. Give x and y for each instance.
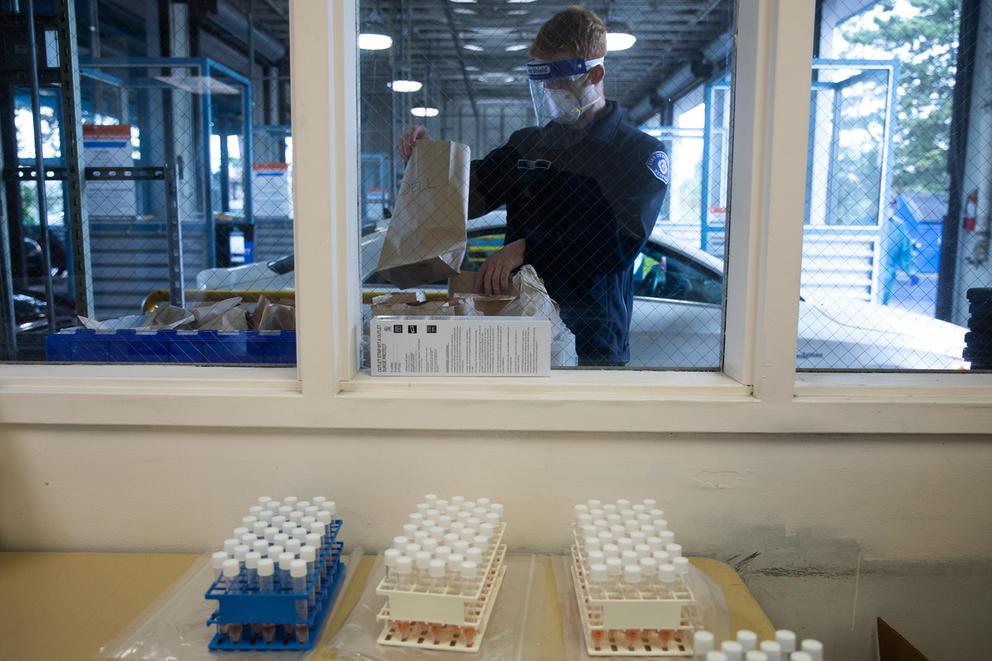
(187, 188)
(623, 222)
(897, 145)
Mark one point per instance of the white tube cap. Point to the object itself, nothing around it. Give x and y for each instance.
(771, 647)
(240, 551)
(455, 561)
(596, 557)
(281, 539)
(614, 567)
(318, 527)
(703, 642)
(716, 656)
(436, 568)
(404, 565)
(390, 556)
(800, 656)
(266, 515)
(666, 573)
(681, 565)
(674, 550)
(324, 516)
(314, 540)
(422, 559)
(812, 647)
(293, 546)
(308, 553)
(230, 543)
(597, 573)
(241, 531)
(258, 528)
(442, 552)
(469, 570)
(787, 639)
(755, 655)
(231, 568)
(318, 500)
(285, 558)
(298, 568)
(733, 650)
(649, 567)
(275, 551)
(251, 560)
(632, 574)
(475, 555)
(266, 567)
(748, 639)
(217, 559)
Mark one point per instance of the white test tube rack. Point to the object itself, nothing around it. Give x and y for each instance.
(438, 615)
(658, 625)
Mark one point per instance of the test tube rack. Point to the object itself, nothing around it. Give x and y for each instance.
(240, 604)
(659, 623)
(439, 613)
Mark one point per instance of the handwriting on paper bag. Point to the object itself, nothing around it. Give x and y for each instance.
(416, 186)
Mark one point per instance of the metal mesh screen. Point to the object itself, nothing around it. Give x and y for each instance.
(897, 148)
(179, 118)
(620, 206)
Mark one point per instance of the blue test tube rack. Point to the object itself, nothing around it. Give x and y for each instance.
(238, 604)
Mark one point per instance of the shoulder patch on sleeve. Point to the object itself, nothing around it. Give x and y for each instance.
(659, 165)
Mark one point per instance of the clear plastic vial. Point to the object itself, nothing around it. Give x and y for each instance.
(285, 561)
(266, 585)
(298, 575)
(404, 573)
(251, 570)
(217, 563)
(389, 558)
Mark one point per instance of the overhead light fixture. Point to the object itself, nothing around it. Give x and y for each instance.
(464, 2)
(424, 111)
(619, 36)
(519, 2)
(512, 48)
(405, 86)
(475, 48)
(467, 11)
(372, 35)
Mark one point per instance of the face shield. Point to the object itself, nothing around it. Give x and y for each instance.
(556, 92)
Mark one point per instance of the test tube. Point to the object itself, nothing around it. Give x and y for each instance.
(231, 569)
(614, 571)
(217, 563)
(632, 581)
(298, 574)
(251, 569)
(285, 559)
(240, 551)
(812, 647)
(266, 585)
(314, 540)
(404, 573)
(468, 571)
(389, 558)
(422, 562)
(229, 545)
(666, 580)
(308, 554)
(435, 571)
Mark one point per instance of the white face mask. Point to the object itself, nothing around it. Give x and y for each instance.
(564, 106)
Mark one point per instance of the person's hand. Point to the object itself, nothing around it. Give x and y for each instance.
(914, 279)
(493, 278)
(404, 146)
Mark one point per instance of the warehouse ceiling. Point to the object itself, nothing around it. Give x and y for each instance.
(474, 50)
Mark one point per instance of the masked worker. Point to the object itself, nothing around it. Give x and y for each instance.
(582, 190)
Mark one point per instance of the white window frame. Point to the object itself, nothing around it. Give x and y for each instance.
(759, 390)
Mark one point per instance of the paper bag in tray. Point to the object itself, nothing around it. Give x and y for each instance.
(426, 238)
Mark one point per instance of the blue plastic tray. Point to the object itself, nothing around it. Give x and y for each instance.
(171, 346)
(245, 607)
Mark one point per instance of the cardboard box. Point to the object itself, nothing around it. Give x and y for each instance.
(460, 346)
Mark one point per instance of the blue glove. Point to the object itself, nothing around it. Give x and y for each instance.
(914, 279)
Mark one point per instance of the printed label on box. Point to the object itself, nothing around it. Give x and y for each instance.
(109, 146)
(460, 346)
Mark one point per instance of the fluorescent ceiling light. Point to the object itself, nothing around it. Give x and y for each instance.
(374, 41)
(475, 48)
(424, 111)
(464, 2)
(512, 48)
(519, 2)
(405, 85)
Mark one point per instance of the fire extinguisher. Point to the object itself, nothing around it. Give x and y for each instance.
(970, 211)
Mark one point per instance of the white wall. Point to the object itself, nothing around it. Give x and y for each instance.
(828, 531)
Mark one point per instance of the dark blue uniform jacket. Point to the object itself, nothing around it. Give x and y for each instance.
(586, 202)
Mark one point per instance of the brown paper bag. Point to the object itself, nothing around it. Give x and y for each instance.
(426, 238)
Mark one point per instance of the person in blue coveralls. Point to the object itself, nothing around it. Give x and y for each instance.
(897, 250)
(582, 190)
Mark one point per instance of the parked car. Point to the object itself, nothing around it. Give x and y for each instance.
(678, 314)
